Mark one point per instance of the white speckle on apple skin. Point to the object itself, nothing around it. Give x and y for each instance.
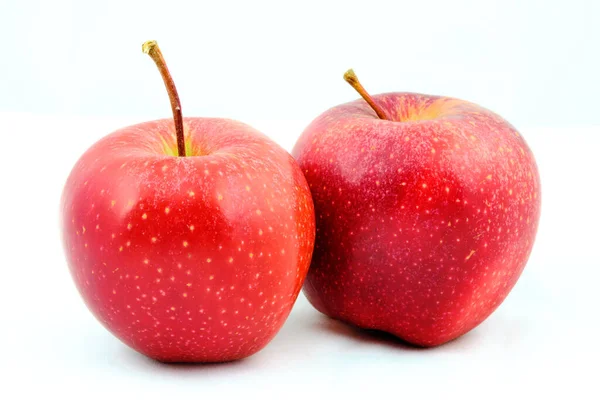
(163, 267)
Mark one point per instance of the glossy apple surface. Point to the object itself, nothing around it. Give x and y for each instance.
(196, 258)
(425, 221)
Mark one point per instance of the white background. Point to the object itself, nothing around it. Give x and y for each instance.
(73, 71)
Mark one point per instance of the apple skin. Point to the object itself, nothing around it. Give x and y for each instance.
(188, 259)
(425, 221)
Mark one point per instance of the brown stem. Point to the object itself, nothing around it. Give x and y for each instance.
(352, 79)
(151, 48)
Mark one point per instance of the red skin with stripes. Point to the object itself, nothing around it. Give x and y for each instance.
(424, 221)
(188, 259)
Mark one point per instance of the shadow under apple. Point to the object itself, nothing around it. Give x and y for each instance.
(128, 356)
(381, 338)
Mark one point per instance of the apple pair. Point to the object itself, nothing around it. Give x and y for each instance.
(190, 239)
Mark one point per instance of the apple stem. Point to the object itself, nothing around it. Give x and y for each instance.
(352, 79)
(151, 48)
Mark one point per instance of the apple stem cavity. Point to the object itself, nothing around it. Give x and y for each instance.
(352, 79)
(151, 48)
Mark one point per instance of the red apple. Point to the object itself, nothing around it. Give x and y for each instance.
(195, 258)
(426, 209)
